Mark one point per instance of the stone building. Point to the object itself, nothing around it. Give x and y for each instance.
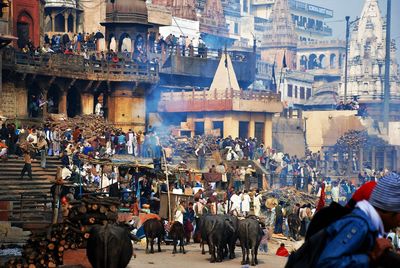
(62, 16)
(224, 109)
(366, 62)
(27, 21)
(280, 40)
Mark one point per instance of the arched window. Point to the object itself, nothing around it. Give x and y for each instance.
(24, 29)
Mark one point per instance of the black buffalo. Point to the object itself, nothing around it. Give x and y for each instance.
(109, 246)
(218, 231)
(153, 229)
(250, 235)
(177, 233)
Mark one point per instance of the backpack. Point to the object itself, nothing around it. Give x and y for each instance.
(308, 254)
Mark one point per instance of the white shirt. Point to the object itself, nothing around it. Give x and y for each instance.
(235, 201)
(246, 203)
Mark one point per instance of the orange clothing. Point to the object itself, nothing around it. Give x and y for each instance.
(27, 158)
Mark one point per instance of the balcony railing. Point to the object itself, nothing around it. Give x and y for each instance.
(77, 67)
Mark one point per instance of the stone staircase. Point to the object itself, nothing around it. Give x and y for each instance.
(28, 202)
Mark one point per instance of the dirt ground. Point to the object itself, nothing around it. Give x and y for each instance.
(194, 259)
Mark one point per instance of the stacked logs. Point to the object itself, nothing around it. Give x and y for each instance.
(72, 233)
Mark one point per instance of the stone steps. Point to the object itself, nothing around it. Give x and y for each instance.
(30, 200)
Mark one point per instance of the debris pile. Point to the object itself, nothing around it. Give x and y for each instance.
(48, 250)
(290, 196)
(90, 125)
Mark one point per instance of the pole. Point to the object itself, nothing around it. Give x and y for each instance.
(346, 57)
(387, 68)
(168, 192)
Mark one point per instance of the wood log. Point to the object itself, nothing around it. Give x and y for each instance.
(103, 209)
(82, 209)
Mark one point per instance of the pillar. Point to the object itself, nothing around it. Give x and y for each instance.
(373, 157)
(361, 159)
(208, 125)
(45, 91)
(268, 130)
(252, 128)
(74, 23)
(53, 21)
(231, 126)
(385, 158)
(87, 103)
(397, 158)
(62, 106)
(65, 22)
(126, 109)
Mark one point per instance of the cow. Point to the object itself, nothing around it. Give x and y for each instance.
(217, 231)
(294, 224)
(250, 235)
(109, 246)
(153, 228)
(177, 233)
(232, 236)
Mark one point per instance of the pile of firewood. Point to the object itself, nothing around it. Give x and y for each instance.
(72, 233)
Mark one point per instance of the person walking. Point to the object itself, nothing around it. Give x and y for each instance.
(201, 156)
(27, 165)
(42, 148)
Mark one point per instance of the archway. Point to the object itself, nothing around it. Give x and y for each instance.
(34, 100)
(24, 29)
(112, 43)
(125, 43)
(303, 62)
(47, 24)
(322, 61)
(332, 61)
(53, 99)
(74, 102)
(59, 23)
(312, 62)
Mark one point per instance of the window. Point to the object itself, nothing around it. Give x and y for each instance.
(308, 95)
(245, 6)
(236, 29)
(302, 95)
(295, 92)
(290, 91)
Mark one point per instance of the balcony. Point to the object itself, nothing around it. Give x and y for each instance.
(76, 67)
(263, 2)
(220, 100)
(325, 31)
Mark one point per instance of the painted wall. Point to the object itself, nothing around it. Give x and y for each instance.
(27, 11)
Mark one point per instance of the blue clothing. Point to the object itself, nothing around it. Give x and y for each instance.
(349, 239)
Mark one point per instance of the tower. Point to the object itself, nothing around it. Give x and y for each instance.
(280, 39)
(366, 61)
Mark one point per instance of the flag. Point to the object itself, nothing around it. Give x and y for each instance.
(284, 65)
(273, 78)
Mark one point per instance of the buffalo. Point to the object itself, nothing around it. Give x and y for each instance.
(177, 233)
(250, 235)
(218, 231)
(109, 246)
(153, 229)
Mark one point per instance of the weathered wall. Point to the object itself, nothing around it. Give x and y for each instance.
(94, 12)
(13, 100)
(323, 128)
(288, 135)
(127, 109)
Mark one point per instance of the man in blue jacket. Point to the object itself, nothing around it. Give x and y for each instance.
(356, 240)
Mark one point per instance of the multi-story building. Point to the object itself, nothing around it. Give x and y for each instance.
(62, 16)
(308, 19)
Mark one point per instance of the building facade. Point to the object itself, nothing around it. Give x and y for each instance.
(366, 62)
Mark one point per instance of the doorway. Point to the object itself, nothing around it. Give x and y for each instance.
(219, 125)
(259, 131)
(74, 103)
(198, 128)
(243, 129)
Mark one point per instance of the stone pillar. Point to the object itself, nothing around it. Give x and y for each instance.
(252, 128)
(208, 125)
(361, 159)
(53, 21)
(46, 104)
(74, 23)
(87, 103)
(268, 130)
(397, 158)
(231, 125)
(66, 22)
(126, 109)
(385, 158)
(373, 157)
(62, 105)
